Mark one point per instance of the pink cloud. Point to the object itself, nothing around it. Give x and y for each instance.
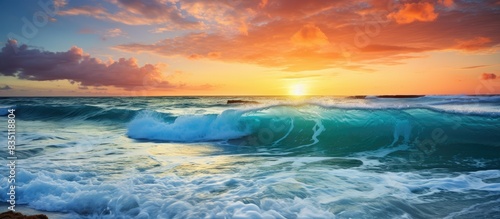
(114, 32)
(60, 3)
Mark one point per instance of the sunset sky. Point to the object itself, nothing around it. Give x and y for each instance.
(249, 47)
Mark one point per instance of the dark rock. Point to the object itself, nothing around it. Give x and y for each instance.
(17, 215)
(240, 101)
(357, 97)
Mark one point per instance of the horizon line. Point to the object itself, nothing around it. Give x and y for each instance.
(333, 95)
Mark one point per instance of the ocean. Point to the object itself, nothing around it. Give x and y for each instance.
(256, 157)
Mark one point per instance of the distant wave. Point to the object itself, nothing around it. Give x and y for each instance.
(121, 110)
(73, 113)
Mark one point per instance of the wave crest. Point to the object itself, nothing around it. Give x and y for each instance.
(189, 128)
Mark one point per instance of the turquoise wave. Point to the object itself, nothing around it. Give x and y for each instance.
(433, 138)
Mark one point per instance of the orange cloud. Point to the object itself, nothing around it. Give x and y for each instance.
(195, 56)
(390, 48)
(488, 76)
(309, 35)
(298, 35)
(262, 47)
(475, 44)
(422, 11)
(447, 3)
(263, 3)
(214, 55)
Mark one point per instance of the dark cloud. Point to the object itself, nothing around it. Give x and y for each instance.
(77, 67)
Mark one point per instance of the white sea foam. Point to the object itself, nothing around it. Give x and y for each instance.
(309, 193)
(165, 197)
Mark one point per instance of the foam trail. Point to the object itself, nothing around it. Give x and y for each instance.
(287, 134)
(318, 128)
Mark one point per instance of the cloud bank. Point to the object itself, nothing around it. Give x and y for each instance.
(77, 67)
(301, 35)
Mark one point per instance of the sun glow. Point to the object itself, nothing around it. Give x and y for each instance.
(297, 90)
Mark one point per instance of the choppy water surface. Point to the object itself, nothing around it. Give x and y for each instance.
(198, 157)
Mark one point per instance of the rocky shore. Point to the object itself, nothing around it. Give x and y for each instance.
(17, 215)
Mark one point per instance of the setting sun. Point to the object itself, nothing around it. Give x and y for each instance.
(297, 90)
